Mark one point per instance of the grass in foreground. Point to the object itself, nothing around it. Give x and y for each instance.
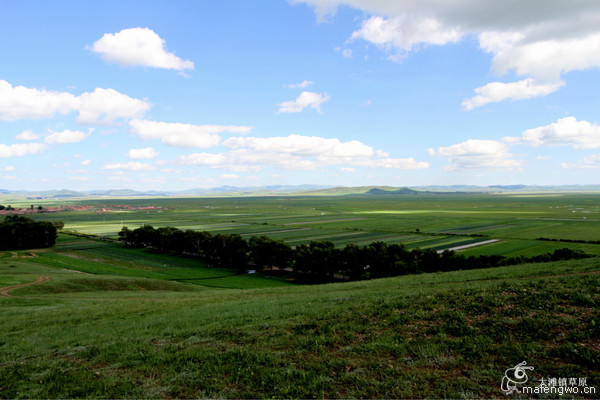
(433, 335)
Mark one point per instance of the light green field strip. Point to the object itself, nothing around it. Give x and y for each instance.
(327, 236)
(324, 221)
(467, 246)
(448, 212)
(275, 231)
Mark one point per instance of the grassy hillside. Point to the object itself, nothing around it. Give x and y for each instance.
(123, 333)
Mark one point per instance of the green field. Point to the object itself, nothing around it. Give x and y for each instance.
(91, 318)
(425, 221)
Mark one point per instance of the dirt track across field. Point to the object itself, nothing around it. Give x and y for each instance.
(5, 291)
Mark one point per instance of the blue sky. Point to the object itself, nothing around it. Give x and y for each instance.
(185, 94)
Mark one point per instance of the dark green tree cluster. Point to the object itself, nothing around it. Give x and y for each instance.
(319, 261)
(221, 250)
(18, 233)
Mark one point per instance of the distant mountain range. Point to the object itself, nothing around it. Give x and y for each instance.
(305, 190)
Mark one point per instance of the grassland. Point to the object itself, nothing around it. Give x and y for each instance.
(95, 319)
(125, 329)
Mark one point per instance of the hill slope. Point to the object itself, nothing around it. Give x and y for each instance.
(432, 335)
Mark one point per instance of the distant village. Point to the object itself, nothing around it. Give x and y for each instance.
(100, 209)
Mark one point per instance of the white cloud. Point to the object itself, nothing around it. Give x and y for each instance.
(295, 152)
(301, 85)
(8, 168)
(138, 47)
(539, 39)
(21, 149)
(544, 59)
(86, 162)
(406, 32)
(102, 106)
(564, 132)
(302, 145)
(306, 99)
(183, 135)
(477, 154)
(142, 154)
(230, 176)
(20, 102)
(28, 135)
(590, 162)
(498, 91)
(395, 163)
(66, 136)
(129, 166)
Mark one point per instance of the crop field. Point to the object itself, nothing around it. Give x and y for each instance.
(425, 221)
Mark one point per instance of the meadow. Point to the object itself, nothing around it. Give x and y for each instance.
(92, 318)
(101, 325)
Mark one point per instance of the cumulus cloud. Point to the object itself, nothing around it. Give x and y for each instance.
(539, 39)
(544, 59)
(590, 162)
(295, 152)
(129, 166)
(20, 102)
(301, 85)
(498, 91)
(306, 99)
(66, 136)
(102, 106)
(142, 154)
(405, 32)
(21, 149)
(28, 135)
(138, 47)
(564, 132)
(477, 154)
(183, 135)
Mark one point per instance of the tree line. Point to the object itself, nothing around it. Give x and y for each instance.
(319, 261)
(19, 233)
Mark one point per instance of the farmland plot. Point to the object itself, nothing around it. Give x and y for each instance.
(425, 221)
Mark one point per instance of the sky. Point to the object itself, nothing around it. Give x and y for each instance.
(157, 95)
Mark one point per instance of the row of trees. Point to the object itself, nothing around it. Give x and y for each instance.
(318, 261)
(18, 233)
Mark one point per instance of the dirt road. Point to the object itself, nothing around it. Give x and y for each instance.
(5, 291)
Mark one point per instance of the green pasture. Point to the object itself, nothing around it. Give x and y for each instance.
(125, 329)
(96, 258)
